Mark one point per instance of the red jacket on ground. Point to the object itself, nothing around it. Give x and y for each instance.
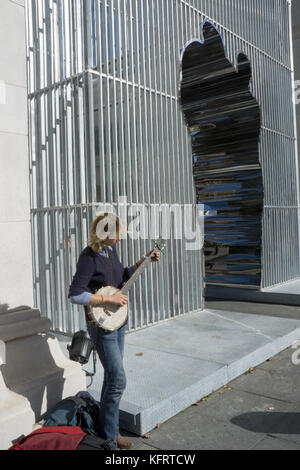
(51, 438)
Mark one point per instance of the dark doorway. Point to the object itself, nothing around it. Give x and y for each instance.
(224, 122)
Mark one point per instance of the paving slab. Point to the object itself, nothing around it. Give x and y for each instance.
(231, 404)
(173, 364)
(274, 383)
(273, 443)
(203, 433)
(160, 385)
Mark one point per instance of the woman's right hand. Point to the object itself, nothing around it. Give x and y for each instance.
(118, 299)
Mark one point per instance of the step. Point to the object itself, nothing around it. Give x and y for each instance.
(173, 364)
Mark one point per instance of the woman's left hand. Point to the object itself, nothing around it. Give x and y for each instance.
(156, 256)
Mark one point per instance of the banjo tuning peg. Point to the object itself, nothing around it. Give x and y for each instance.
(160, 244)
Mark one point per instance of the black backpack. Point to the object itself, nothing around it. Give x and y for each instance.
(94, 443)
(79, 410)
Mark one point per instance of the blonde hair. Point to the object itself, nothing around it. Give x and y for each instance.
(97, 243)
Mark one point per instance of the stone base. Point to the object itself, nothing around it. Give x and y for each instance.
(36, 376)
(16, 416)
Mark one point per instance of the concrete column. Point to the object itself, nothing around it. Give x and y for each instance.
(15, 234)
(36, 374)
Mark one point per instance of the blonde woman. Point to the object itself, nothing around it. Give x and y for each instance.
(98, 266)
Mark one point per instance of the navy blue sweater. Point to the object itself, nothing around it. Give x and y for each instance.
(94, 271)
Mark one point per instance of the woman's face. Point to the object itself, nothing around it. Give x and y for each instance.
(112, 230)
(111, 241)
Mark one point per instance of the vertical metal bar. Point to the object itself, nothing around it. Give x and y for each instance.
(182, 130)
(99, 124)
(113, 104)
(138, 137)
(120, 100)
(156, 86)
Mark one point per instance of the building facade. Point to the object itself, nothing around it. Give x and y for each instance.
(107, 129)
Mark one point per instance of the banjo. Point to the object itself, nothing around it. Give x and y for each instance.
(111, 317)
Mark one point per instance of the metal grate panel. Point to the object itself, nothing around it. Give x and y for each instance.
(105, 122)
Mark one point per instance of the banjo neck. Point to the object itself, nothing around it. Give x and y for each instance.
(159, 246)
(125, 289)
(110, 317)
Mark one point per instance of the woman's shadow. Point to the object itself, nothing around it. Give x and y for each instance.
(269, 422)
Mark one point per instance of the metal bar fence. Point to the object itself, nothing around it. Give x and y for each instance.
(105, 122)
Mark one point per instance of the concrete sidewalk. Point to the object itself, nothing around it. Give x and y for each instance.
(172, 365)
(260, 410)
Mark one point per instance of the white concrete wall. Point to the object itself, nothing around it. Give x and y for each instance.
(26, 390)
(15, 236)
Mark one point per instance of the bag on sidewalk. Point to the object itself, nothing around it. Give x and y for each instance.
(95, 443)
(79, 410)
(61, 438)
(51, 438)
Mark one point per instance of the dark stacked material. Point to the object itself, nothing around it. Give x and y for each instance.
(224, 122)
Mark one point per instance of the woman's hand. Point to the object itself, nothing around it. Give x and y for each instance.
(118, 299)
(156, 256)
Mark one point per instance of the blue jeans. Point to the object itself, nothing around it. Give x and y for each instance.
(110, 349)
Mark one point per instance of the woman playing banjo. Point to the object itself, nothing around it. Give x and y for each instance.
(98, 266)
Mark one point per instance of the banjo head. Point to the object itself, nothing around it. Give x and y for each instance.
(109, 317)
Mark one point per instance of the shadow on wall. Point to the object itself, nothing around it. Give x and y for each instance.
(4, 308)
(30, 369)
(224, 122)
